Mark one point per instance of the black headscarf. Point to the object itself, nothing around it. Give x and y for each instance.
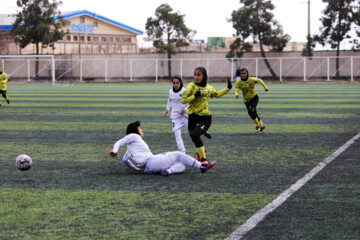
(132, 128)
(180, 80)
(205, 77)
(246, 72)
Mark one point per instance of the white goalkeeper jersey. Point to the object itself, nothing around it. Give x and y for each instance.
(174, 101)
(137, 149)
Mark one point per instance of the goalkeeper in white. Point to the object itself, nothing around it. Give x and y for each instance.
(139, 152)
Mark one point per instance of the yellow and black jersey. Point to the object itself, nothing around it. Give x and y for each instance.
(200, 105)
(248, 87)
(3, 80)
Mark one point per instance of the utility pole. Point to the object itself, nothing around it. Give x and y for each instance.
(309, 33)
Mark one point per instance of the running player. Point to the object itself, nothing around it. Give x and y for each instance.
(145, 161)
(197, 94)
(3, 81)
(247, 85)
(179, 117)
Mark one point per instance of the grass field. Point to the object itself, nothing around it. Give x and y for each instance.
(75, 191)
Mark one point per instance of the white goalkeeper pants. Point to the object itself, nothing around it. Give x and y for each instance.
(173, 162)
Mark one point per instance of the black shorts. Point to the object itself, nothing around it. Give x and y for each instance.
(204, 122)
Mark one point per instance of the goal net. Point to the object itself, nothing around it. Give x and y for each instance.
(29, 68)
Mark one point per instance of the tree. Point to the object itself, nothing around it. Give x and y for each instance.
(168, 31)
(336, 22)
(255, 20)
(36, 24)
(307, 50)
(356, 42)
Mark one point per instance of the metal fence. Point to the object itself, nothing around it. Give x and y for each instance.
(112, 69)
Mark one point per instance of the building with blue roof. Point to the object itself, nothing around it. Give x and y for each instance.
(88, 33)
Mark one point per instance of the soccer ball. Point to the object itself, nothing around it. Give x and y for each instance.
(23, 162)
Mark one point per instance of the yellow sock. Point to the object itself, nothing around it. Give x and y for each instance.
(256, 121)
(201, 152)
(261, 123)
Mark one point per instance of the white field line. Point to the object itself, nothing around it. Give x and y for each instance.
(260, 215)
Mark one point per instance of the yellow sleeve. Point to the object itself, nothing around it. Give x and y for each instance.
(187, 96)
(237, 88)
(220, 93)
(262, 83)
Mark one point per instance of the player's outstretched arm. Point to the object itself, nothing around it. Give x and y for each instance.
(112, 154)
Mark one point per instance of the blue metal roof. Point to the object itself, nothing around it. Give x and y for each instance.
(102, 18)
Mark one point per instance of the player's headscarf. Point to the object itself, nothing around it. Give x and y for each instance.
(205, 77)
(180, 80)
(133, 128)
(246, 72)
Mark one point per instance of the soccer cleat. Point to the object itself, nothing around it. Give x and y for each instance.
(207, 167)
(164, 173)
(262, 129)
(207, 135)
(8, 101)
(204, 162)
(257, 128)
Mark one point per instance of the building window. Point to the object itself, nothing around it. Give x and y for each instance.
(96, 25)
(127, 40)
(68, 38)
(88, 38)
(111, 39)
(96, 39)
(75, 38)
(117, 39)
(82, 38)
(103, 39)
(82, 19)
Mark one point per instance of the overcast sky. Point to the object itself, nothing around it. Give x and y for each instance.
(207, 17)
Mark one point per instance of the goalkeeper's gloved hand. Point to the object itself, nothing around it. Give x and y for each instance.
(197, 94)
(229, 86)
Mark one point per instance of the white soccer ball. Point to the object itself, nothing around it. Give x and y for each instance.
(23, 162)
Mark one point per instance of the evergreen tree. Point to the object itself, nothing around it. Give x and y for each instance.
(36, 24)
(255, 20)
(168, 31)
(336, 22)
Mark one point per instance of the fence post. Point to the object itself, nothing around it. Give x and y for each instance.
(131, 70)
(352, 68)
(257, 67)
(232, 69)
(80, 74)
(181, 67)
(280, 69)
(106, 69)
(156, 70)
(53, 70)
(328, 68)
(208, 66)
(304, 69)
(28, 61)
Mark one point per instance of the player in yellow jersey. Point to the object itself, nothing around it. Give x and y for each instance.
(247, 85)
(197, 94)
(3, 81)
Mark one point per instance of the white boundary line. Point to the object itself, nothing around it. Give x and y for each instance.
(260, 215)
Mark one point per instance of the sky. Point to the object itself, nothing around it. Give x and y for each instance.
(207, 17)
